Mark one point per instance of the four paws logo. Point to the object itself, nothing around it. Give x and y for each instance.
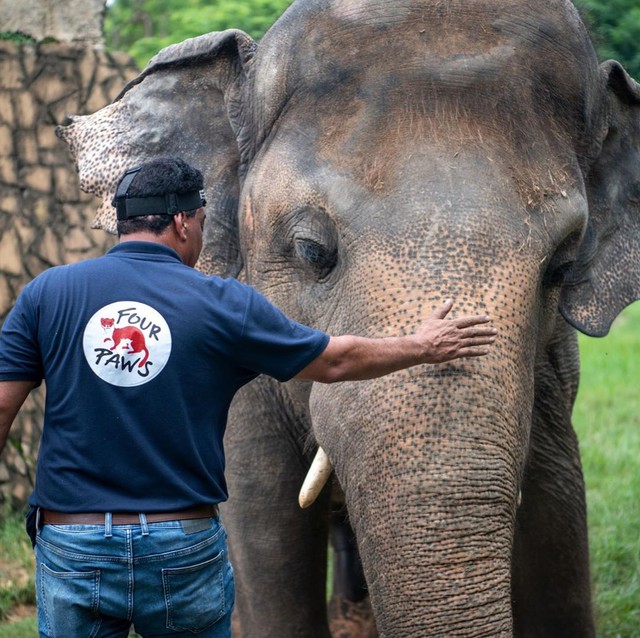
(127, 343)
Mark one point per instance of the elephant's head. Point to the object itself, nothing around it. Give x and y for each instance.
(368, 160)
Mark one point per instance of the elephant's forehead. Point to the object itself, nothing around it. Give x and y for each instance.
(490, 76)
(445, 28)
(346, 164)
(441, 64)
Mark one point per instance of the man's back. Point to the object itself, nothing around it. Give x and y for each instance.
(142, 356)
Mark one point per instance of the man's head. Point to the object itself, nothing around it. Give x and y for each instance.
(162, 201)
(149, 195)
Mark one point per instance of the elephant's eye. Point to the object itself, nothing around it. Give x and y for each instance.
(555, 276)
(315, 253)
(322, 258)
(634, 193)
(562, 261)
(314, 241)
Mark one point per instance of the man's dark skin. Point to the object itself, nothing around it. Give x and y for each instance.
(346, 358)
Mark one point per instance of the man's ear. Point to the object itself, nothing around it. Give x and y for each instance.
(180, 225)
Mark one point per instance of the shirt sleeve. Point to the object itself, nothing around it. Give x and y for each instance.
(20, 358)
(274, 344)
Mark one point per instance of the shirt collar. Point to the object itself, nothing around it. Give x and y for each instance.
(144, 248)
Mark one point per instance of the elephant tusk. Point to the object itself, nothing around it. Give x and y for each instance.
(316, 479)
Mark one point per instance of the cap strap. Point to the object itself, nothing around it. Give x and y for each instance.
(169, 204)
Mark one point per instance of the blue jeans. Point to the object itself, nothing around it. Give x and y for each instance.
(167, 579)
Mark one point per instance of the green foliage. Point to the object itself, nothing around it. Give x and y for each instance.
(615, 26)
(143, 27)
(17, 37)
(22, 38)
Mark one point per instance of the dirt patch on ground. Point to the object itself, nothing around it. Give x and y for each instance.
(20, 612)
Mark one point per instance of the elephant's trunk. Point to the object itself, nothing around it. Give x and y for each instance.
(431, 477)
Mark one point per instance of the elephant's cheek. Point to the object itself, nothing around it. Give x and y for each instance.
(248, 220)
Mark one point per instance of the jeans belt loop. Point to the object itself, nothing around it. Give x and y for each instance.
(107, 525)
(143, 524)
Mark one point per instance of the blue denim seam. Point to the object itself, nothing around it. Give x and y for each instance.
(130, 573)
(181, 552)
(78, 556)
(83, 557)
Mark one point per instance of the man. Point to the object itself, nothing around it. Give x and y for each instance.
(142, 355)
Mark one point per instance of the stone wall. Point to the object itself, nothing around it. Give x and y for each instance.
(62, 20)
(44, 218)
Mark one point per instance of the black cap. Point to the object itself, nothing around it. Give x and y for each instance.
(168, 204)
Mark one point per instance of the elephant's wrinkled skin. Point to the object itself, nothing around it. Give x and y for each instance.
(367, 160)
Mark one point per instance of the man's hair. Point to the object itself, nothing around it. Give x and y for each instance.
(160, 177)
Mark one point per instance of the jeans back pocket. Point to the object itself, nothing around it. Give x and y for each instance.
(69, 602)
(195, 595)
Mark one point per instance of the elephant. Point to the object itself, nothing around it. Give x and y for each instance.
(364, 161)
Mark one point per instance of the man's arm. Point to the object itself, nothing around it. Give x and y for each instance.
(12, 396)
(351, 358)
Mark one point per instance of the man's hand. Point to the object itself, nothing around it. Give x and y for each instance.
(351, 358)
(446, 339)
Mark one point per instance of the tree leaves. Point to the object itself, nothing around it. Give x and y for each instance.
(143, 27)
(615, 27)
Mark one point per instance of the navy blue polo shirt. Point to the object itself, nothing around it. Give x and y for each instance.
(141, 356)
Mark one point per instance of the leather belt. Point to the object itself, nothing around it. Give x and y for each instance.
(49, 517)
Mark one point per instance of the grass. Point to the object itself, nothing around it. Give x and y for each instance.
(607, 419)
(23, 628)
(17, 589)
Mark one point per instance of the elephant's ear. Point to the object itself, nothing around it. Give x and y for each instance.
(186, 103)
(606, 276)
